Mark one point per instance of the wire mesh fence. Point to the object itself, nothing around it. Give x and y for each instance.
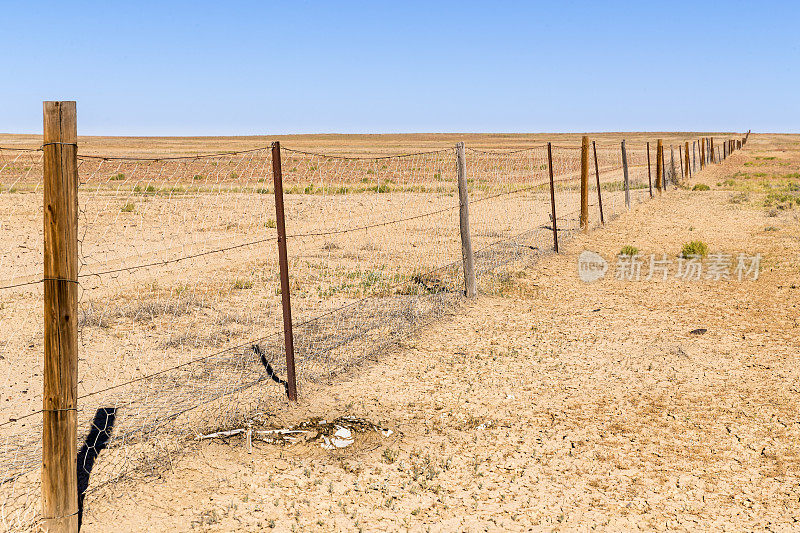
(179, 310)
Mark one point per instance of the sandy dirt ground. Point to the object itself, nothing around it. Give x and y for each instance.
(547, 404)
(551, 404)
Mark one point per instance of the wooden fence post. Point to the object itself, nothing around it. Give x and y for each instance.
(659, 165)
(597, 175)
(694, 156)
(470, 281)
(280, 223)
(649, 175)
(680, 160)
(702, 151)
(625, 176)
(552, 196)
(584, 220)
(59, 397)
(711, 149)
(665, 178)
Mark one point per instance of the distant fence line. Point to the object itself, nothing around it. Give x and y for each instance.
(198, 290)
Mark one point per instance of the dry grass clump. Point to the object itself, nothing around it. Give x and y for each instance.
(694, 249)
(739, 198)
(91, 315)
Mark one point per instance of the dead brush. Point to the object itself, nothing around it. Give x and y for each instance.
(505, 284)
(90, 315)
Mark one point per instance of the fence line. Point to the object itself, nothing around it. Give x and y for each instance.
(165, 355)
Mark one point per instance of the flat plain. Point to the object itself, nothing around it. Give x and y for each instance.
(546, 404)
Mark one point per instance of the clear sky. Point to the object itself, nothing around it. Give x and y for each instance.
(239, 68)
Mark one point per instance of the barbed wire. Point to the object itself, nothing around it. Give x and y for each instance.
(375, 255)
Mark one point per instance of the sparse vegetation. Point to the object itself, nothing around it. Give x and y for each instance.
(240, 284)
(128, 207)
(739, 198)
(701, 187)
(629, 250)
(782, 200)
(694, 249)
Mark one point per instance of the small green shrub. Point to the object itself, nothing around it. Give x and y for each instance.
(781, 200)
(197, 177)
(242, 284)
(629, 250)
(694, 248)
(127, 208)
(701, 187)
(270, 223)
(117, 177)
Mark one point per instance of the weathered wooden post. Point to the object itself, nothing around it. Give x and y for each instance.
(597, 175)
(470, 281)
(584, 220)
(649, 175)
(711, 149)
(625, 176)
(702, 153)
(659, 165)
(60, 376)
(283, 260)
(680, 160)
(694, 156)
(552, 196)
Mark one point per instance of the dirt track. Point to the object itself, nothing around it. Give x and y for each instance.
(552, 405)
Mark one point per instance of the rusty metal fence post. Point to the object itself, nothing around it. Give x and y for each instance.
(597, 175)
(280, 223)
(552, 196)
(625, 176)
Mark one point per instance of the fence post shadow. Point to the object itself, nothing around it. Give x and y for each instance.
(96, 441)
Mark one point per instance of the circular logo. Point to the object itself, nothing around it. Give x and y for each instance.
(591, 266)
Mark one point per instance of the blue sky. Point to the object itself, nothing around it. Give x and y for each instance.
(242, 68)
